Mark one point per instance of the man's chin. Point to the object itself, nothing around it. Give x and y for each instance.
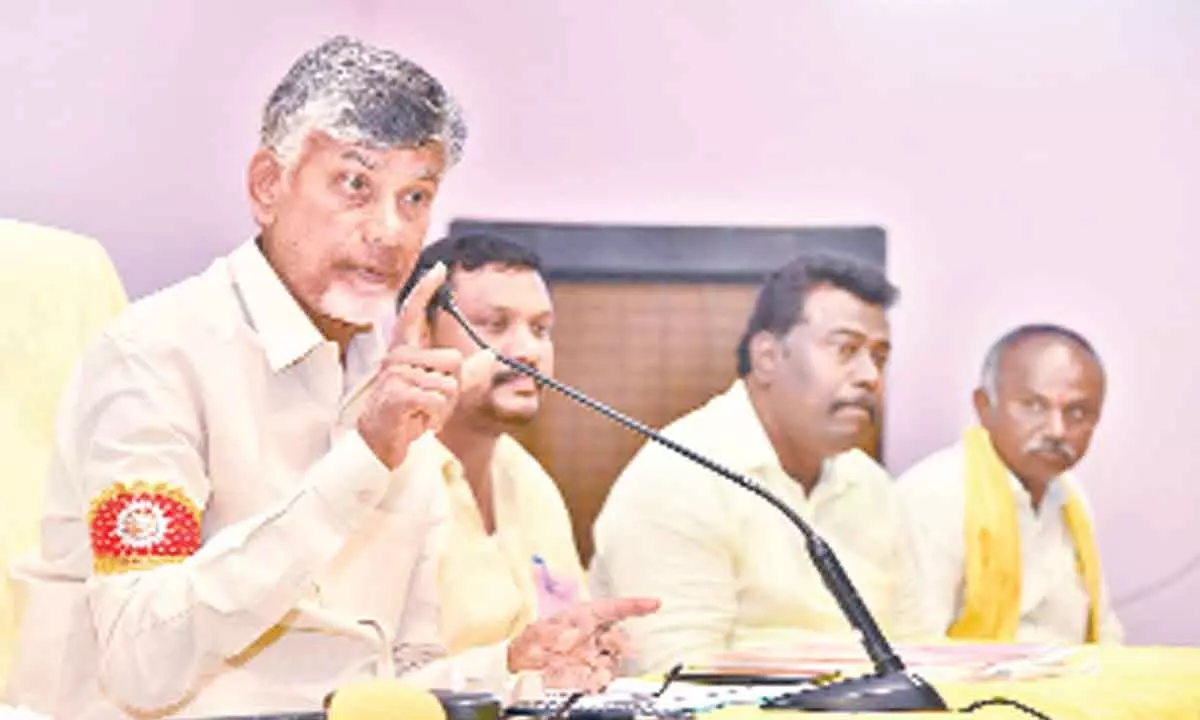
(1049, 466)
(357, 309)
(843, 441)
(513, 417)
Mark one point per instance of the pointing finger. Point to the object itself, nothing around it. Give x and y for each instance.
(412, 325)
(613, 610)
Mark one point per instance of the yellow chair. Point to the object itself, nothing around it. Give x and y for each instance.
(57, 291)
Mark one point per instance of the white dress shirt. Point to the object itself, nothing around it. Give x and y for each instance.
(732, 572)
(1054, 600)
(317, 565)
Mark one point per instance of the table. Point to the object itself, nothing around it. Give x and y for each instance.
(1112, 683)
(1115, 683)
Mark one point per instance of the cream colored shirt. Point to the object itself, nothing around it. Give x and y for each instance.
(731, 571)
(1054, 601)
(491, 584)
(318, 565)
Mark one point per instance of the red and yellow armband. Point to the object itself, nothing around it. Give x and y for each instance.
(139, 526)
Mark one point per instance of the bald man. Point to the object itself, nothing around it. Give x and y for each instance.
(1001, 531)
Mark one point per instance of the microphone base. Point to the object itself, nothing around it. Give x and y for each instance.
(899, 691)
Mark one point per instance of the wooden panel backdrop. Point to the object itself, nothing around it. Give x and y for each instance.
(651, 346)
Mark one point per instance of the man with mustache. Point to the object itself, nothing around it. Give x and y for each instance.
(511, 555)
(731, 571)
(244, 510)
(1002, 532)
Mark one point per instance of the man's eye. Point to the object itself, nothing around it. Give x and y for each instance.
(355, 183)
(1079, 414)
(417, 197)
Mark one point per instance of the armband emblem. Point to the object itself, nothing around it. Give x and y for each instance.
(141, 525)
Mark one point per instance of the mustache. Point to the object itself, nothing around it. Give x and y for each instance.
(507, 375)
(865, 402)
(1052, 445)
(386, 261)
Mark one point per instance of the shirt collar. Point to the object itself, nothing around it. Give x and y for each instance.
(1055, 497)
(287, 334)
(503, 457)
(751, 448)
(446, 461)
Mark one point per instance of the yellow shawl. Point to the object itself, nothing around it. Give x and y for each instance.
(992, 592)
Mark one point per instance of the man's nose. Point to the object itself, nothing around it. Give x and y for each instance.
(522, 344)
(387, 225)
(1056, 426)
(867, 372)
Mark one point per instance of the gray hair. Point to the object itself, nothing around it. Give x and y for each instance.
(989, 377)
(358, 93)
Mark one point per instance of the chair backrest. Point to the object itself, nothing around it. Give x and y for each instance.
(57, 292)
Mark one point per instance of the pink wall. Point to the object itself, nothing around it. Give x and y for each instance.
(1030, 161)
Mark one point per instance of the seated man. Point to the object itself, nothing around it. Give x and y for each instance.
(1001, 531)
(244, 510)
(511, 555)
(731, 571)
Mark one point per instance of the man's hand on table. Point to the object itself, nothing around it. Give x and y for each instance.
(578, 648)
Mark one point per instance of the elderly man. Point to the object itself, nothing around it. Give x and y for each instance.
(511, 556)
(1002, 532)
(243, 510)
(732, 573)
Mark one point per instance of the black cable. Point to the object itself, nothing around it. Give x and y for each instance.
(1005, 702)
(669, 679)
(564, 710)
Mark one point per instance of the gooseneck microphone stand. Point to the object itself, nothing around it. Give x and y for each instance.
(891, 687)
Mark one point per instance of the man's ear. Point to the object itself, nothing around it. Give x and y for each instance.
(264, 178)
(983, 407)
(764, 357)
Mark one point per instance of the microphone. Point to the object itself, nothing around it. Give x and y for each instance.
(891, 687)
(386, 698)
(383, 699)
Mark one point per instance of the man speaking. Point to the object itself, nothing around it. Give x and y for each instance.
(240, 512)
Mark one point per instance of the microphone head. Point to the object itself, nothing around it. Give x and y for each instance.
(443, 297)
(384, 699)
